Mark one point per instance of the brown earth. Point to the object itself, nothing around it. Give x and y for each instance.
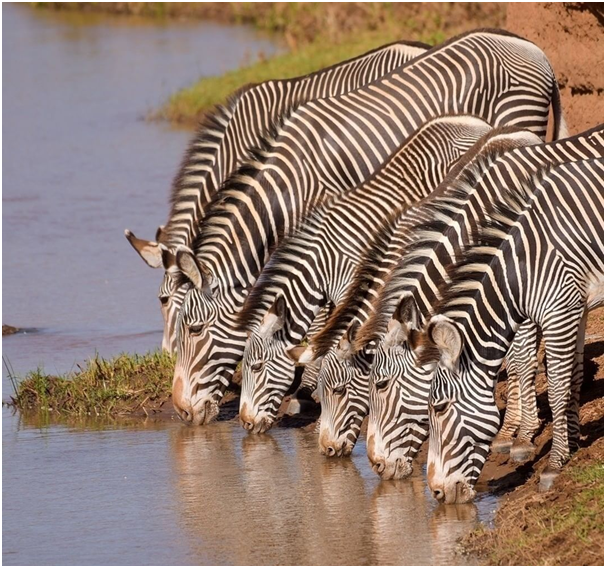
(572, 36)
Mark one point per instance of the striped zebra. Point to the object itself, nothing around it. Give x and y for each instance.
(399, 386)
(540, 259)
(324, 147)
(222, 144)
(344, 371)
(342, 381)
(316, 265)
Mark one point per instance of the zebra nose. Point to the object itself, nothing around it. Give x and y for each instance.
(185, 413)
(330, 451)
(438, 495)
(379, 466)
(247, 425)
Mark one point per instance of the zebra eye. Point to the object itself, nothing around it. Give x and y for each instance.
(440, 407)
(195, 329)
(339, 390)
(256, 367)
(164, 300)
(382, 384)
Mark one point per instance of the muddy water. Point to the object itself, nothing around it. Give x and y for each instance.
(80, 165)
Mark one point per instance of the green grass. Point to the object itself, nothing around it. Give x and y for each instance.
(122, 385)
(189, 104)
(562, 527)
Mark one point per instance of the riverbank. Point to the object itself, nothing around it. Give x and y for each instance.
(125, 385)
(316, 35)
(564, 526)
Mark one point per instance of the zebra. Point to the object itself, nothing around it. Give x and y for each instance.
(541, 259)
(342, 381)
(344, 371)
(399, 386)
(324, 147)
(222, 142)
(315, 266)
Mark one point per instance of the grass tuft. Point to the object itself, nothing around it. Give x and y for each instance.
(125, 384)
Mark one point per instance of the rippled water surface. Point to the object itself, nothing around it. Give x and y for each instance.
(80, 165)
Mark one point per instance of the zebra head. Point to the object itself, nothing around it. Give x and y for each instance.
(398, 422)
(462, 425)
(157, 255)
(268, 370)
(209, 343)
(343, 393)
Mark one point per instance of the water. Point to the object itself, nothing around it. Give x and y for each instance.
(80, 165)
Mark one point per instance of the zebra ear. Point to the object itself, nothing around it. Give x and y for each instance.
(274, 319)
(345, 347)
(159, 232)
(188, 264)
(407, 313)
(149, 251)
(169, 259)
(445, 335)
(304, 357)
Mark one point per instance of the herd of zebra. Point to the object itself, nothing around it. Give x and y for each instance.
(397, 225)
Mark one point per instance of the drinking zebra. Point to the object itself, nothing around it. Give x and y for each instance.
(315, 266)
(541, 259)
(399, 385)
(324, 147)
(222, 143)
(344, 371)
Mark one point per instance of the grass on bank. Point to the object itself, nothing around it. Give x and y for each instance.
(125, 384)
(563, 527)
(188, 105)
(318, 34)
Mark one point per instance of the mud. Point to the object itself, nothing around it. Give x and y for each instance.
(572, 36)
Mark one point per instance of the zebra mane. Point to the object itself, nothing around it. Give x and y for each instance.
(486, 239)
(357, 290)
(210, 130)
(261, 296)
(236, 188)
(435, 214)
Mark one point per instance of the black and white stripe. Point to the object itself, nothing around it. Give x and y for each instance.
(538, 258)
(399, 386)
(222, 143)
(317, 264)
(327, 146)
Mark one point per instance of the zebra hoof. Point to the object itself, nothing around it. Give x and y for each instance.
(547, 479)
(521, 452)
(501, 446)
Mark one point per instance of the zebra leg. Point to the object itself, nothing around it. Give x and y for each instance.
(574, 427)
(521, 414)
(513, 411)
(527, 363)
(561, 336)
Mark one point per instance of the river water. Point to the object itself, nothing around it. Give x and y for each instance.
(80, 166)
